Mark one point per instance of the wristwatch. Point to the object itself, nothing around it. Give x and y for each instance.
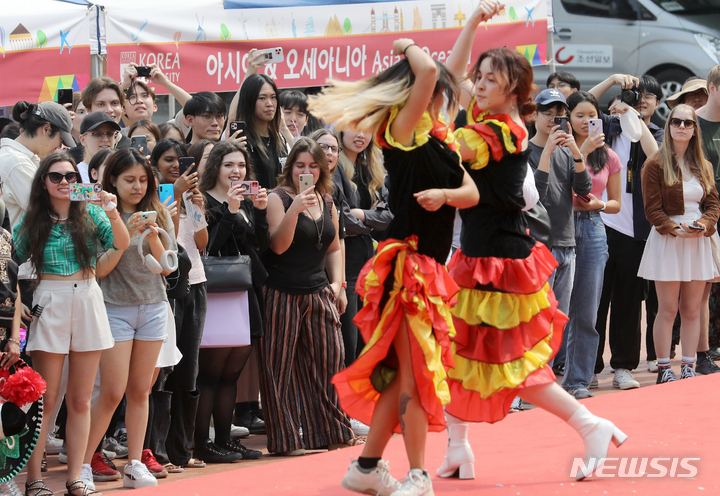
(581, 159)
(602, 209)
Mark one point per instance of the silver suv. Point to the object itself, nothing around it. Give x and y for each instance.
(671, 40)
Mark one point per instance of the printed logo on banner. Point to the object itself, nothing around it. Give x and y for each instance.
(125, 59)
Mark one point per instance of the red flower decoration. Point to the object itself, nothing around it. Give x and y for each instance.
(23, 387)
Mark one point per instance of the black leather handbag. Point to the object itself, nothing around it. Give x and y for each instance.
(227, 274)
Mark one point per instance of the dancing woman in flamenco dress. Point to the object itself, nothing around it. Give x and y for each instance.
(398, 383)
(506, 318)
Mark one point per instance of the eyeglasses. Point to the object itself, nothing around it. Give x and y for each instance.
(70, 177)
(210, 117)
(648, 97)
(559, 86)
(551, 115)
(334, 149)
(133, 98)
(107, 136)
(689, 123)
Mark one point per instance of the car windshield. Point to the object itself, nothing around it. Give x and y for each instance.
(689, 7)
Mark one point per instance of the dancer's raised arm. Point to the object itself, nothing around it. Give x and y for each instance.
(457, 61)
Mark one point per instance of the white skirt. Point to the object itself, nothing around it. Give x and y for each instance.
(672, 258)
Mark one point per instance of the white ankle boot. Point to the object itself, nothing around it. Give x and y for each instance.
(459, 458)
(597, 434)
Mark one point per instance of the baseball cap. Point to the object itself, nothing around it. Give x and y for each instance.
(95, 119)
(550, 95)
(58, 116)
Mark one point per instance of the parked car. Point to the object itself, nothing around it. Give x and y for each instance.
(671, 40)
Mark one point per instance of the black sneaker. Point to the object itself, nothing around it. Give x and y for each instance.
(706, 366)
(665, 374)
(212, 453)
(251, 421)
(687, 371)
(559, 368)
(235, 446)
(713, 353)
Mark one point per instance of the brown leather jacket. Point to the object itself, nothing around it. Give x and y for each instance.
(661, 200)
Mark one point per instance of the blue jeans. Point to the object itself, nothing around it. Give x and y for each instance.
(582, 338)
(561, 282)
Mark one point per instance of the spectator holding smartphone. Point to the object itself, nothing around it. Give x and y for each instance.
(237, 224)
(559, 171)
(682, 204)
(79, 112)
(258, 108)
(190, 310)
(200, 151)
(62, 238)
(148, 129)
(591, 250)
(136, 303)
(302, 347)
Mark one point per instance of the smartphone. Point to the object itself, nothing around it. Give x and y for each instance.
(166, 191)
(64, 96)
(237, 125)
(584, 198)
(85, 191)
(563, 122)
(594, 124)
(247, 188)
(150, 216)
(305, 181)
(695, 227)
(273, 55)
(143, 70)
(140, 142)
(185, 163)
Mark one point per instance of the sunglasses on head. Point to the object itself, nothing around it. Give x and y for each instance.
(70, 177)
(689, 123)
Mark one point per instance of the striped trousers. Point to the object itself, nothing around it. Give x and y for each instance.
(300, 353)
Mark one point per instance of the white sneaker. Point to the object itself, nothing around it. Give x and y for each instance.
(594, 382)
(623, 379)
(359, 428)
(86, 476)
(111, 455)
(652, 365)
(53, 445)
(137, 475)
(238, 431)
(378, 481)
(417, 483)
(62, 456)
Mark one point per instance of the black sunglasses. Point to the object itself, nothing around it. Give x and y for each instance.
(689, 123)
(70, 177)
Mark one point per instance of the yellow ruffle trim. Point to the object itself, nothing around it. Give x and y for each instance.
(499, 310)
(422, 131)
(487, 379)
(475, 142)
(419, 323)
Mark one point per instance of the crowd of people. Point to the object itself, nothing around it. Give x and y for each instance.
(335, 268)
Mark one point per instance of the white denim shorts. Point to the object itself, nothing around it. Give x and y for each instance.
(73, 318)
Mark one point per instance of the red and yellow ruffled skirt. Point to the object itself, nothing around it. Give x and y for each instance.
(505, 335)
(401, 287)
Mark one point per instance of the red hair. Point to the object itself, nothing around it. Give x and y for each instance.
(513, 72)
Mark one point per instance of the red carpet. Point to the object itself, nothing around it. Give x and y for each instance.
(528, 453)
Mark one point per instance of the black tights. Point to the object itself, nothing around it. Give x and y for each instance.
(219, 370)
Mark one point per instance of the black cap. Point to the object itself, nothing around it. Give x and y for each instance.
(92, 121)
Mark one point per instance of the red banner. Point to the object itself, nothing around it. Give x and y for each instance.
(220, 66)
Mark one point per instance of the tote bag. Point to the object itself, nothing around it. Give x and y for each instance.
(227, 321)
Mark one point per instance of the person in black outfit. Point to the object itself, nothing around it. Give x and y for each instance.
(236, 224)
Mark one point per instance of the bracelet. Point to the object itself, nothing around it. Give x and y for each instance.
(602, 209)
(445, 195)
(344, 284)
(14, 341)
(114, 218)
(411, 44)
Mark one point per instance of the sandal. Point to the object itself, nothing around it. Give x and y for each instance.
(355, 441)
(43, 464)
(39, 488)
(173, 469)
(76, 485)
(195, 463)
